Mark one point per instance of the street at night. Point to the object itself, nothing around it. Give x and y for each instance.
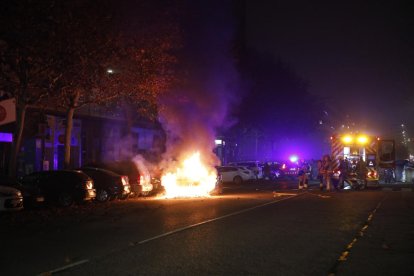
(208, 137)
(262, 228)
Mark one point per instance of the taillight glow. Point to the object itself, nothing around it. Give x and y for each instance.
(89, 185)
(125, 180)
(372, 174)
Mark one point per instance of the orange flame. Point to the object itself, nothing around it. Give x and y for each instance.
(191, 179)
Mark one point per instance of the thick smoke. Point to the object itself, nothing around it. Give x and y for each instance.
(192, 113)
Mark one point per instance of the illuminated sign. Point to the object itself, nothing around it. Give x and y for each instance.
(6, 137)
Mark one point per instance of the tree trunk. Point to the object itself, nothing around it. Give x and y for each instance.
(68, 135)
(18, 137)
(68, 129)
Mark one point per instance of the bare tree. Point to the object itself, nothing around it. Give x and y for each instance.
(105, 61)
(26, 70)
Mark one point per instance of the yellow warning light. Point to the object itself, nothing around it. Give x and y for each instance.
(347, 139)
(362, 139)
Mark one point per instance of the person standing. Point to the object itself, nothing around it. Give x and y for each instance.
(361, 170)
(320, 174)
(303, 177)
(327, 171)
(343, 168)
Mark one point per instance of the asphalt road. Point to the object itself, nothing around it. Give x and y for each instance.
(258, 228)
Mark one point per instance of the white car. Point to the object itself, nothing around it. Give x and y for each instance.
(10, 199)
(234, 174)
(251, 165)
(251, 172)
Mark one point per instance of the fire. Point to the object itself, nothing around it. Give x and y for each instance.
(190, 179)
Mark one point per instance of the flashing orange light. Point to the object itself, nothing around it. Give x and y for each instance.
(347, 139)
(362, 139)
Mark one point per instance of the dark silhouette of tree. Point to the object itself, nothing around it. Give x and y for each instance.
(26, 68)
(103, 53)
(111, 57)
(276, 101)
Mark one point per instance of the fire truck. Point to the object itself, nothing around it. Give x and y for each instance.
(377, 156)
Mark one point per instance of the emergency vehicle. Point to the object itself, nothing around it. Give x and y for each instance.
(378, 156)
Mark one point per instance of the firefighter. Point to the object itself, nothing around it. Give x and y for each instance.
(361, 170)
(343, 168)
(320, 174)
(327, 171)
(303, 177)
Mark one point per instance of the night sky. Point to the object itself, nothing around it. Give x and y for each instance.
(358, 56)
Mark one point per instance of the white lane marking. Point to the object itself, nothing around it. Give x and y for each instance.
(213, 220)
(60, 269)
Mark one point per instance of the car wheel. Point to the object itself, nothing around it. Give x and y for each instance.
(123, 197)
(65, 200)
(102, 195)
(237, 180)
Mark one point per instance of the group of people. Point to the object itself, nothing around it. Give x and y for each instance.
(325, 172)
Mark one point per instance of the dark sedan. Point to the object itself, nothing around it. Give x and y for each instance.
(58, 187)
(108, 184)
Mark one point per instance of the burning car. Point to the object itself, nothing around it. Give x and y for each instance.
(190, 178)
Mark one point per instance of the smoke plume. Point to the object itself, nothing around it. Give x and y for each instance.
(192, 113)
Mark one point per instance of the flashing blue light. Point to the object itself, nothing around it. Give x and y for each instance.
(293, 158)
(6, 137)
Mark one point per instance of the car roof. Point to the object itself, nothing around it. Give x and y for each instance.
(73, 172)
(99, 170)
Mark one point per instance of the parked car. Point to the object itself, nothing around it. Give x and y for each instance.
(11, 199)
(136, 180)
(251, 172)
(13, 183)
(252, 165)
(58, 187)
(289, 169)
(271, 170)
(108, 184)
(233, 174)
